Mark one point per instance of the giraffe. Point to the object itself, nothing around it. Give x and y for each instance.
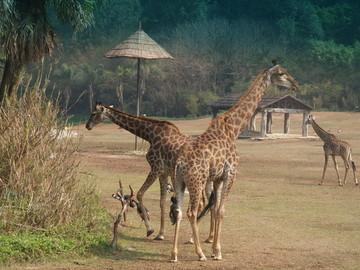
(333, 147)
(165, 141)
(212, 157)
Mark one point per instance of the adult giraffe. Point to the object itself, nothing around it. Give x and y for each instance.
(212, 157)
(334, 147)
(165, 141)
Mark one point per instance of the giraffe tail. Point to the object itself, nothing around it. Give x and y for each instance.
(353, 165)
(172, 213)
(174, 207)
(207, 207)
(352, 162)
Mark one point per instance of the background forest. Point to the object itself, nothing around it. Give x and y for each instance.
(219, 47)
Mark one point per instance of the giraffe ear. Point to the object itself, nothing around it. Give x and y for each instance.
(274, 62)
(111, 106)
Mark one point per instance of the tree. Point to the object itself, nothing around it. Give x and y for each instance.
(27, 35)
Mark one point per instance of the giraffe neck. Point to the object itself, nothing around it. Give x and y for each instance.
(234, 120)
(145, 128)
(323, 135)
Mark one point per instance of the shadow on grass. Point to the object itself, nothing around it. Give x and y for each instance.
(104, 250)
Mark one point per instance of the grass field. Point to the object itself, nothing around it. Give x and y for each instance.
(277, 216)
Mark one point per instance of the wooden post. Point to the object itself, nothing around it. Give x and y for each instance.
(269, 123)
(304, 126)
(253, 122)
(286, 123)
(138, 99)
(263, 123)
(214, 113)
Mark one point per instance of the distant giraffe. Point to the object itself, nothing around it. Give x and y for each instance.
(334, 147)
(165, 141)
(212, 157)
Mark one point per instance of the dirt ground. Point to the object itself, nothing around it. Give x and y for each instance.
(277, 216)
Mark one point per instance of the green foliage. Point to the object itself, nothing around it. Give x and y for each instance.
(188, 104)
(27, 246)
(340, 20)
(39, 170)
(219, 48)
(335, 56)
(160, 13)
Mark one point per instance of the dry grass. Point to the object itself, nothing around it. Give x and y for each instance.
(39, 173)
(277, 216)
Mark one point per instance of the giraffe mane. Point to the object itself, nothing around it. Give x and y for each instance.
(259, 77)
(323, 130)
(155, 121)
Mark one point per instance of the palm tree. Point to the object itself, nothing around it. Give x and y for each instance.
(27, 36)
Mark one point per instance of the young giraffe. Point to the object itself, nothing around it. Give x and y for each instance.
(165, 141)
(212, 157)
(334, 147)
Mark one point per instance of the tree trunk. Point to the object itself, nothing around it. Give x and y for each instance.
(9, 79)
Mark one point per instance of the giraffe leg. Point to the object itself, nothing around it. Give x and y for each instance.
(206, 199)
(163, 190)
(174, 251)
(347, 166)
(221, 190)
(325, 165)
(216, 254)
(148, 182)
(195, 196)
(210, 238)
(208, 189)
(354, 172)
(175, 211)
(353, 168)
(337, 170)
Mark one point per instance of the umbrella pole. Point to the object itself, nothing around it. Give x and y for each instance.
(138, 99)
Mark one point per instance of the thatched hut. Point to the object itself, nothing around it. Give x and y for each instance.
(268, 105)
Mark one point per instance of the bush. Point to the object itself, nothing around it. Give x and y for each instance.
(40, 187)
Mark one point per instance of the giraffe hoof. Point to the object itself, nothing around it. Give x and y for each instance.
(202, 258)
(189, 242)
(173, 258)
(217, 257)
(159, 237)
(149, 232)
(209, 240)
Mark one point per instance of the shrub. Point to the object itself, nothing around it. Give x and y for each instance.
(40, 187)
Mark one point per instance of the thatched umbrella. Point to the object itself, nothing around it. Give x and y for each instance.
(140, 46)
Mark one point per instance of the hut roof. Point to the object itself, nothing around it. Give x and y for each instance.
(268, 101)
(139, 45)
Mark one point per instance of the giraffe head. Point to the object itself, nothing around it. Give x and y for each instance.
(280, 76)
(310, 119)
(97, 116)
